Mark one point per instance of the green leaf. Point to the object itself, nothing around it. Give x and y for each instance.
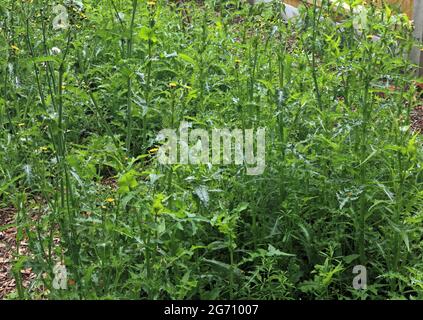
(350, 258)
(127, 182)
(272, 251)
(186, 58)
(224, 266)
(147, 34)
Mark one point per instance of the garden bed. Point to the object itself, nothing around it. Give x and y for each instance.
(91, 89)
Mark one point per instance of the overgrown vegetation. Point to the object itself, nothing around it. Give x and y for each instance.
(81, 106)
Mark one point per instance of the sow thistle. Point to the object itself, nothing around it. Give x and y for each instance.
(343, 169)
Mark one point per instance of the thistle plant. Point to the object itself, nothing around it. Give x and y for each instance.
(87, 87)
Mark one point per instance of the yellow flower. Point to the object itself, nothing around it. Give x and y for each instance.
(153, 150)
(15, 48)
(43, 149)
(21, 125)
(237, 61)
(173, 85)
(151, 2)
(110, 200)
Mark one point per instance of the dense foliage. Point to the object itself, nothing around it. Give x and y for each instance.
(81, 106)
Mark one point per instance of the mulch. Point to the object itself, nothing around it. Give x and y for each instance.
(417, 119)
(7, 253)
(416, 116)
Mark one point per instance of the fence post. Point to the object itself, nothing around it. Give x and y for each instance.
(417, 54)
